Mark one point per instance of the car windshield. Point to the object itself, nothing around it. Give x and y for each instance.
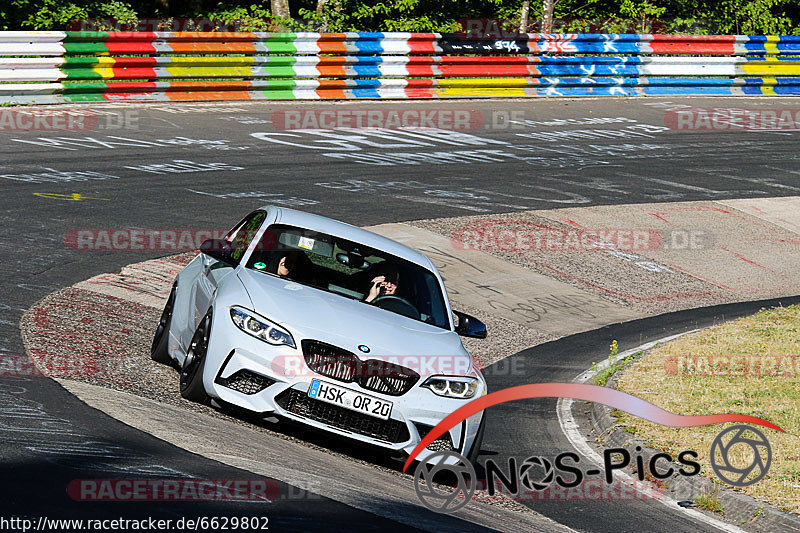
(351, 270)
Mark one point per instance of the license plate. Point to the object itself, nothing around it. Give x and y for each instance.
(350, 399)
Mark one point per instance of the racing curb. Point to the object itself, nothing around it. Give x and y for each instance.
(738, 508)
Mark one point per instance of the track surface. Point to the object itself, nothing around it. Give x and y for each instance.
(224, 171)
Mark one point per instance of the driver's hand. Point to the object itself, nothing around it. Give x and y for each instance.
(375, 288)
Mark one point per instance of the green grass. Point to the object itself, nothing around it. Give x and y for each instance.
(657, 378)
(709, 500)
(601, 376)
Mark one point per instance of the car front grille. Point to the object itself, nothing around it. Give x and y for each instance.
(372, 374)
(331, 361)
(388, 384)
(300, 404)
(246, 382)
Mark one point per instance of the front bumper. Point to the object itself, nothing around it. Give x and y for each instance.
(250, 374)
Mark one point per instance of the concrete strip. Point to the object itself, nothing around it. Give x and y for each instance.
(365, 488)
(554, 245)
(498, 287)
(741, 254)
(783, 212)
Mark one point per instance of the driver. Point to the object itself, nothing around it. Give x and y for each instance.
(384, 284)
(286, 265)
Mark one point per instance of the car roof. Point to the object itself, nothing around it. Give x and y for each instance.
(327, 225)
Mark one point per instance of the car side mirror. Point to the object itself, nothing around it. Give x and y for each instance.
(469, 326)
(218, 249)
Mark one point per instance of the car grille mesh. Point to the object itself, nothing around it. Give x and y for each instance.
(300, 404)
(442, 443)
(372, 374)
(246, 382)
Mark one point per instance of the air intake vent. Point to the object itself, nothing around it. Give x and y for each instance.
(246, 382)
(443, 443)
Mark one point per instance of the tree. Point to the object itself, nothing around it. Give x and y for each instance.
(280, 9)
(641, 10)
(523, 17)
(328, 12)
(547, 15)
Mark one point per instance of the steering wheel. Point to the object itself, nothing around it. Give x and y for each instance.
(397, 304)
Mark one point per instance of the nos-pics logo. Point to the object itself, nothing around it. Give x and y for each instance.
(727, 454)
(447, 480)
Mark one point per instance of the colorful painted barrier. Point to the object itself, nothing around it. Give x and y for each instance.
(58, 67)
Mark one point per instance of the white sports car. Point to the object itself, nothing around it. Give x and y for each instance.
(299, 316)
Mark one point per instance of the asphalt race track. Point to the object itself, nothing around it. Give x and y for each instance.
(202, 166)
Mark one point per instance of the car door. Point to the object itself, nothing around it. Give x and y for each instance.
(213, 271)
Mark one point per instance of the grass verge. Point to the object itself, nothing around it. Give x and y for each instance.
(748, 366)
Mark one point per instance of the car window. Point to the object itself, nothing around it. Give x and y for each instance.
(242, 234)
(347, 268)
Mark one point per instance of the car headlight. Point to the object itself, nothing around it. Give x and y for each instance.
(452, 387)
(260, 328)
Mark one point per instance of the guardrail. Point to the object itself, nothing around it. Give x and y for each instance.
(59, 67)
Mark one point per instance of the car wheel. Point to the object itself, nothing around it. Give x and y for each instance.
(159, 350)
(192, 369)
(475, 451)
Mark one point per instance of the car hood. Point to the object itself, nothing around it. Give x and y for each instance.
(316, 314)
